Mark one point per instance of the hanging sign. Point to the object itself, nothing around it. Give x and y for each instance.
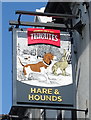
(42, 71)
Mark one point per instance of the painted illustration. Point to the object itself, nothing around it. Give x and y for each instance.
(43, 65)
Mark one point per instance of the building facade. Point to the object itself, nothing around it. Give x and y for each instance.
(81, 61)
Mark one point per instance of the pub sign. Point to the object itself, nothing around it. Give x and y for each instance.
(42, 70)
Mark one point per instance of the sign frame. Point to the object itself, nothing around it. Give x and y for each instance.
(34, 104)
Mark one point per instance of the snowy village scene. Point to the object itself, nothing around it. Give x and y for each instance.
(58, 72)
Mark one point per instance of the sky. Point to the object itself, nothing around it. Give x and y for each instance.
(8, 13)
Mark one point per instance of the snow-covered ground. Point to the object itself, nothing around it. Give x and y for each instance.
(55, 81)
(39, 79)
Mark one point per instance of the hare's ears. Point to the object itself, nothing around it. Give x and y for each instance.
(64, 52)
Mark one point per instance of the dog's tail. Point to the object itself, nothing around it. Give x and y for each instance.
(20, 62)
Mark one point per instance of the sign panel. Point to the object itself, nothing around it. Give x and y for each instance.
(42, 70)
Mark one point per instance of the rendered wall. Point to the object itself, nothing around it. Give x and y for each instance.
(90, 63)
(81, 59)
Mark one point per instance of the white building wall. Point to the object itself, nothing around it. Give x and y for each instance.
(42, 19)
(81, 60)
(90, 62)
